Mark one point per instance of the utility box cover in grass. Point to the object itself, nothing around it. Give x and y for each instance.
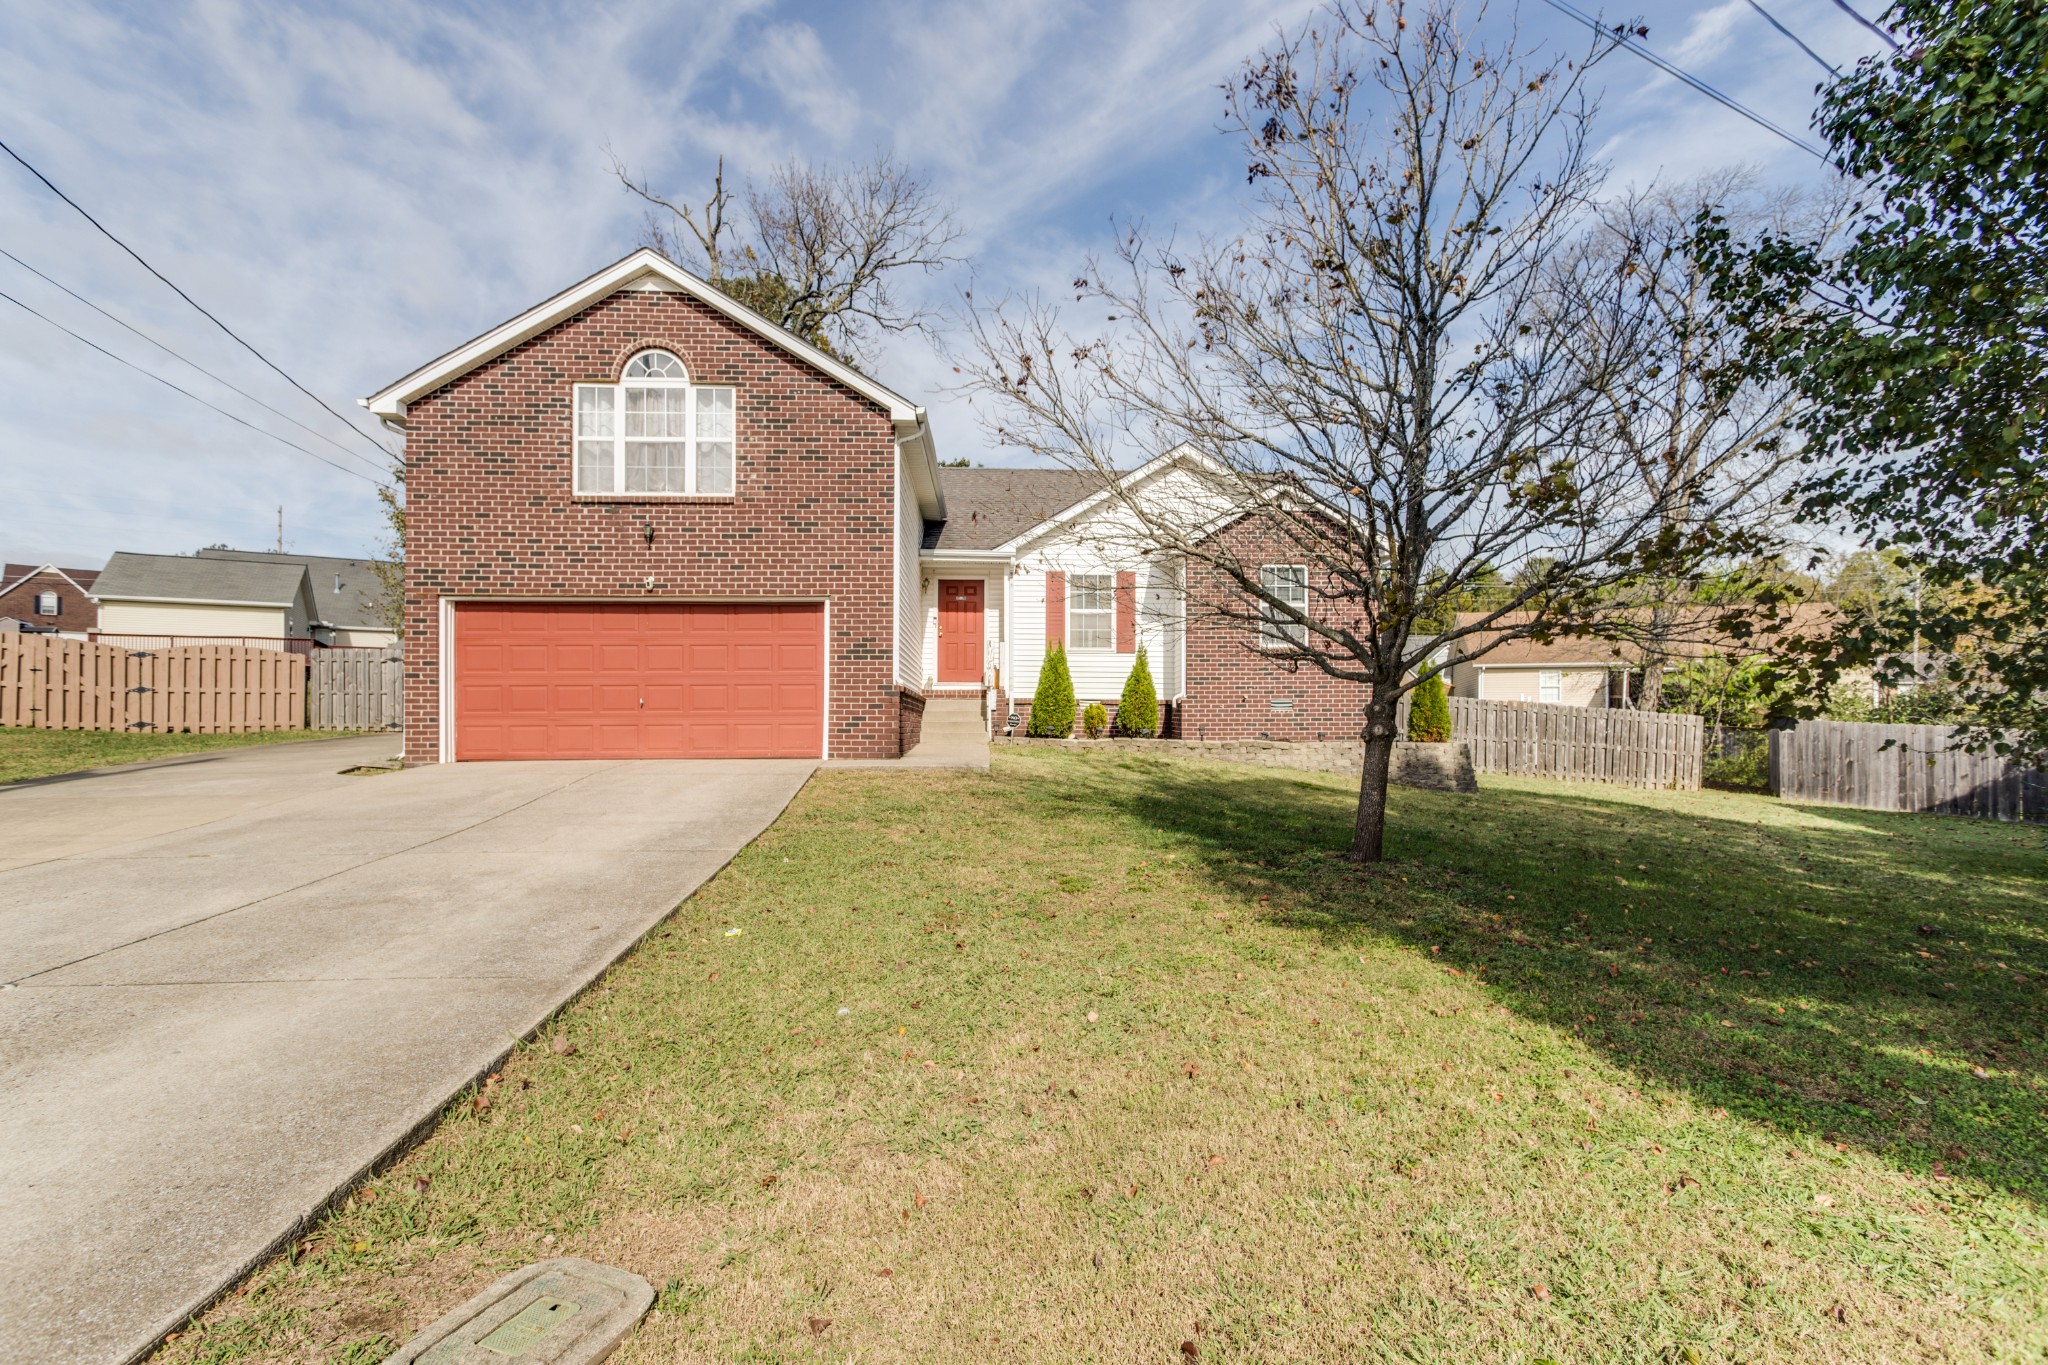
(561, 1312)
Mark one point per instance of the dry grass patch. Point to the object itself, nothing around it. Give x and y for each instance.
(1091, 1056)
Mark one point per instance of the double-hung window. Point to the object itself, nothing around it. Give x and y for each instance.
(1283, 583)
(654, 433)
(1550, 685)
(1091, 611)
(47, 604)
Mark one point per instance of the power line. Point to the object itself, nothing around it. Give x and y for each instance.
(1695, 82)
(120, 322)
(1843, 6)
(105, 232)
(188, 393)
(1798, 42)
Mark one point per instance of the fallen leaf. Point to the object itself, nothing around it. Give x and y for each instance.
(885, 1272)
(1215, 1161)
(768, 1180)
(1980, 1073)
(1839, 1314)
(818, 1325)
(1540, 1293)
(419, 1186)
(1096, 1259)
(1190, 1071)
(1190, 1350)
(561, 1046)
(919, 1197)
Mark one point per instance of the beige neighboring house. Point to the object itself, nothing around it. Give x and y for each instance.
(1597, 673)
(241, 597)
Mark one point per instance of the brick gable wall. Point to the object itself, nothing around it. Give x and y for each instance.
(491, 511)
(1232, 684)
(75, 610)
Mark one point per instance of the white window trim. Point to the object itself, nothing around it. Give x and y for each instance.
(56, 604)
(1108, 613)
(619, 440)
(1274, 634)
(1550, 685)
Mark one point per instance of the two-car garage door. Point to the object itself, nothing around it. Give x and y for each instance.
(639, 680)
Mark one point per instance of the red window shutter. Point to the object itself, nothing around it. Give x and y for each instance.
(1126, 612)
(1055, 609)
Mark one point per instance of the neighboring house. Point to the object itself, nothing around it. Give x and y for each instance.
(1573, 671)
(345, 596)
(45, 598)
(239, 596)
(644, 520)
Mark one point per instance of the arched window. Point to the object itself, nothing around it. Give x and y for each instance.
(655, 365)
(654, 432)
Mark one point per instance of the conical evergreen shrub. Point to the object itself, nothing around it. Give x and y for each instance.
(1429, 711)
(1052, 705)
(1137, 715)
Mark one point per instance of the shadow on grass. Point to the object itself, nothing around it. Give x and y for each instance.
(1874, 979)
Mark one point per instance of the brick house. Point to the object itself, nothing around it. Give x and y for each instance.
(44, 597)
(643, 520)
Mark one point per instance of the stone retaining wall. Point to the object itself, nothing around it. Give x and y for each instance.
(1445, 767)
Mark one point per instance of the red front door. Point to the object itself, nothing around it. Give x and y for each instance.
(960, 650)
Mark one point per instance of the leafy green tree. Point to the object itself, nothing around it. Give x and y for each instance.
(1052, 705)
(1137, 714)
(1921, 346)
(1429, 711)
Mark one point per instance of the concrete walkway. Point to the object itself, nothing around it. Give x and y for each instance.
(953, 735)
(228, 985)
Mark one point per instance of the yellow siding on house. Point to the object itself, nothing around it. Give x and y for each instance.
(1579, 686)
(190, 618)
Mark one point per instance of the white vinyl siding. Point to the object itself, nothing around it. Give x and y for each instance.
(1099, 674)
(910, 634)
(654, 434)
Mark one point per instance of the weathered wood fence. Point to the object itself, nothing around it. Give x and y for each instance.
(1848, 763)
(1580, 744)
(356, 689)
(52, 683)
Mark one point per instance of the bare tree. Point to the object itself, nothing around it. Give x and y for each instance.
(1381, 367)
(1709, 433)
(820, 251)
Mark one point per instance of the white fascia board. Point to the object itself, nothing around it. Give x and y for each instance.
(920, 461)
(994, 558)
(43, 569)
(191, 601)
(658, 271)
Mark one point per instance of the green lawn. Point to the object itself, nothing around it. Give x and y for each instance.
(1095, 1055)
(46, 753)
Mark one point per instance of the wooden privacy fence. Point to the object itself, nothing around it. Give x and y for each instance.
(52, 683)
(356, 689)
(1847, 763)
(1580, 744)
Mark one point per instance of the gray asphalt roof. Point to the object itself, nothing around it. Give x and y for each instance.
(351, 606)
(184, 578)
(990, 507)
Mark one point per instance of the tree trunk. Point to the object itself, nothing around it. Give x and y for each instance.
(1650, 693)
(1368, 835)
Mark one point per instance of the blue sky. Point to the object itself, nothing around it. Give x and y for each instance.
(358, 188)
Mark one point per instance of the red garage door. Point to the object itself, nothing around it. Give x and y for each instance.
(639, 680)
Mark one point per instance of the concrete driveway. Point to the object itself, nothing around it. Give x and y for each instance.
(231, 983)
